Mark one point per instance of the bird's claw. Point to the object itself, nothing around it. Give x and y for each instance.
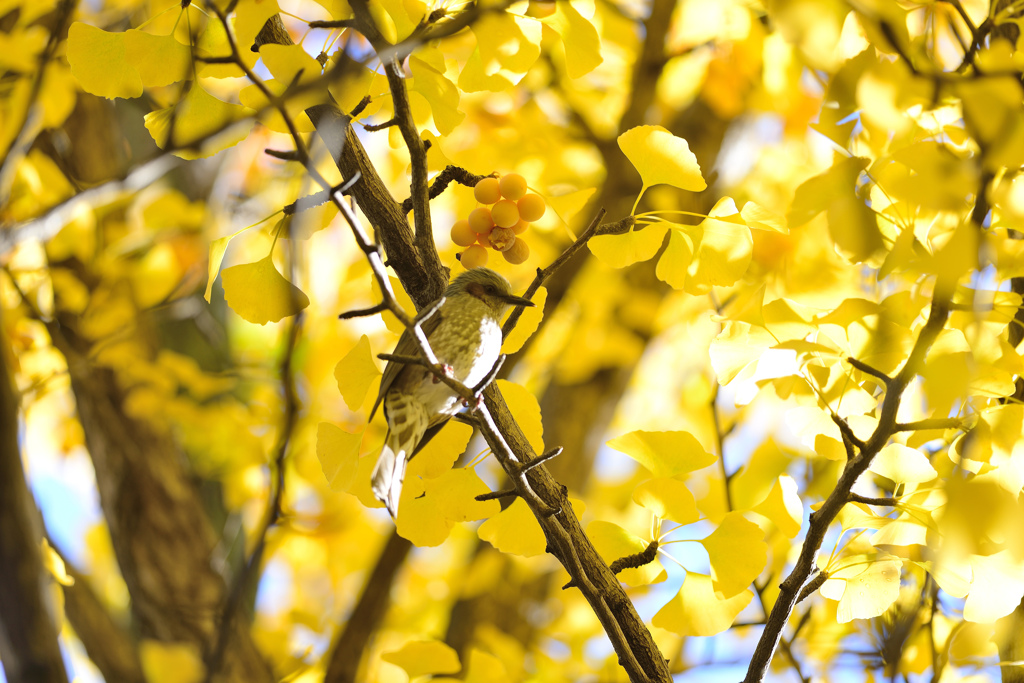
(448, 371)
(476, 404)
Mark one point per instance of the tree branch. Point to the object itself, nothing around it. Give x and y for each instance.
(28, 636)
(822, 518)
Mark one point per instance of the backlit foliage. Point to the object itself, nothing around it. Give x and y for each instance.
(788, 384)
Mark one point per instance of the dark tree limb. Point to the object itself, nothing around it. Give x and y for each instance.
(347, 651)
(109, 646)
(28, 635)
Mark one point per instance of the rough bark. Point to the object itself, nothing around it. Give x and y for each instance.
(109, 646)
(28, 635)
(161, 536)
(347, 653)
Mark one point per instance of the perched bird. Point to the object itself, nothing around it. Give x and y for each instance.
(465, 335)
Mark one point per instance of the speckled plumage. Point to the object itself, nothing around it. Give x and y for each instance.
(464, 334)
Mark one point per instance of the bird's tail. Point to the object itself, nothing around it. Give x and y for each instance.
(389, 474)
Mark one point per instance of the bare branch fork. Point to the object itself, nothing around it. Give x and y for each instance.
(792, 588)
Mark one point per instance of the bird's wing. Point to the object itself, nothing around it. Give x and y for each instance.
(405, 347)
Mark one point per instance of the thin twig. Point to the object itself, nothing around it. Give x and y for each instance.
(544, 273)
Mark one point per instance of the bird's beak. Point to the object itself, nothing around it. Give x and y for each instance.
(512, 300)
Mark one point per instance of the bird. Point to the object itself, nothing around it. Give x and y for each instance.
(465, 336)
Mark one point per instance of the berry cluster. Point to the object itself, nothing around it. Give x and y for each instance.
(506, 213)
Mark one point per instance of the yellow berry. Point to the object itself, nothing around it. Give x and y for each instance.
(531, 207)
(513, 186)
(517, 253)
(480, 220)
(462, 234)
(520, 227)
(487, 191)
(502, 239)
(505, 213)
(474, 257)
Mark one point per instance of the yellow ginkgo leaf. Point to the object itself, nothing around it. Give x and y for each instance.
(259, 294)
(439, 92)
(662, 158)
(165, 662)
(441, 452)
(997, 587)
(338, 453)
(355, 372)
(99, 60)
(756, 216)
(903, 465)
(515, 529)
(738, 553)
(507, 43)
(218, 248)
(579, 38)
(619, 251)
(675, 260)
(613, 543)
(429, 508)
(199, 125)
(668, 499)
(665, 454)
(783, 506)
(159, 60)
(528, 323)
(864, 586)
(697, 611)
(736, 347)
(524, 407)
(725, 247)
(422, 657)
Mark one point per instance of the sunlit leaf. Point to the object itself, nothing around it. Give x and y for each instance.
(338, 453)
(675, 260)
(668, 499)
(696, 610)
(354, 373)
(422, 657)
(259, 294)
(99, 60)
(903, 465)
(665, 454)
(528, 323)
(579, 37)
(738, 553)
(515, 529)
(662, 158)
(438, 456)
(159, 60)
(756, 216)
(440, 93)
(619, 251)
(783, 506)
(524, 407)
(429, 508)
(996, 588)
(864, 587)
(199, 125)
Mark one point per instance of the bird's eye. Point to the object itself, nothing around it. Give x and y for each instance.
(490, 289)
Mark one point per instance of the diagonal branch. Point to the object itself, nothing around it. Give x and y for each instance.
(790, 588)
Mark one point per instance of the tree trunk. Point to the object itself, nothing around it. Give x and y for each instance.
(28, 635)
